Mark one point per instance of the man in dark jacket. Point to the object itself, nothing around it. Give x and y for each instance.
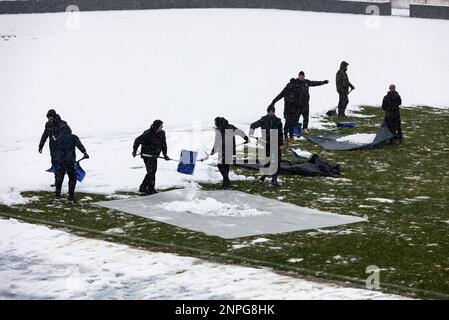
(65, 162)
(304, 98)
(290, 94)
(153, 142)
(225, 146)
(390, 105)
(54, 129)
(270, 124)
(343, 86)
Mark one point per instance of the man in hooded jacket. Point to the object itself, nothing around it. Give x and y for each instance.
(55, 128)
(65, 162)
(153, 142)
(225, 146)
(390, 105)
(270, 124)
(343, 85)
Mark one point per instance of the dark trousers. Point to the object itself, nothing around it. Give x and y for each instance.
(60, 170)
(394, 125)
(289, 127)
(342, 104)
(224, 170)
(304, 112)
(275, 176)
(149, 181)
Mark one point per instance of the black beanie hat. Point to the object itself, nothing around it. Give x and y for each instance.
(156, 124)
(271, 109)
(301, 73)
(51, 113)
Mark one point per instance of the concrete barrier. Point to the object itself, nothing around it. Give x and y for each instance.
(40, 6)
(429, 11)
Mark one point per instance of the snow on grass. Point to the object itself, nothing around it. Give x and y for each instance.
(11, 196)
(302, 153)
(40, 263)
(382, 200)
(295, 260)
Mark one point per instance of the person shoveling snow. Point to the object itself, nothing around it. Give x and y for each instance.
(153, 142)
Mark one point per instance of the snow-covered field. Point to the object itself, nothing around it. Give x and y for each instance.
(121, 70)
(40, 263)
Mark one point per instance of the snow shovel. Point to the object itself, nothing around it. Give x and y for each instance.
(187, 161)
(79, 172)
(333, 112)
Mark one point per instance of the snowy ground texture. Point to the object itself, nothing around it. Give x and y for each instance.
(40, 263)
(121, 70)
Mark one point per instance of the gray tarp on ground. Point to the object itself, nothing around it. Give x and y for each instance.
(331, 143)
(282, 217)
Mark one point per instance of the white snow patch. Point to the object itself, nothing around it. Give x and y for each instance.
(40, 263)
(212, 207)
(260, 240)
(358, 138)
(302, 153)
(382, 200)
(295, 260)
(11, 196)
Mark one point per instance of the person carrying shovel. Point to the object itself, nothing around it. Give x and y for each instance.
(65, 162)
(225, 146)
(153, 142)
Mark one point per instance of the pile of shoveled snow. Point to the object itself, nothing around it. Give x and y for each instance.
(212, 207)
(358, 138)
(40, 263)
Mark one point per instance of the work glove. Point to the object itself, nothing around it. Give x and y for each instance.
(134, 154)
(86, 155)
(246, 139)
(40, 150)
(167, 158)
(326, 81)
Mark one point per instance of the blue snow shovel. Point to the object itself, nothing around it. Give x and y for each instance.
(187, 161)
(79, 172)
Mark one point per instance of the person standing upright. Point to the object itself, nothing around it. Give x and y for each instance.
(54, 129)
(153, 142)
(270, 124)
(225, 147)
(390, 105)
(343, 85)
(65, 162)
(290, 94)
(303, 85)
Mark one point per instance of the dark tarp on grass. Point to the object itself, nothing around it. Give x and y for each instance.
(315, 167)
(330, 142)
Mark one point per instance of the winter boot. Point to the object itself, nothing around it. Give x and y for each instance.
(151, 191)
(274, 182)
(226, 185)
(262, 178)
(72, 199)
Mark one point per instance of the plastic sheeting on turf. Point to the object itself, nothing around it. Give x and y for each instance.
(331, 143)
(315, 167)
(262, 215)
